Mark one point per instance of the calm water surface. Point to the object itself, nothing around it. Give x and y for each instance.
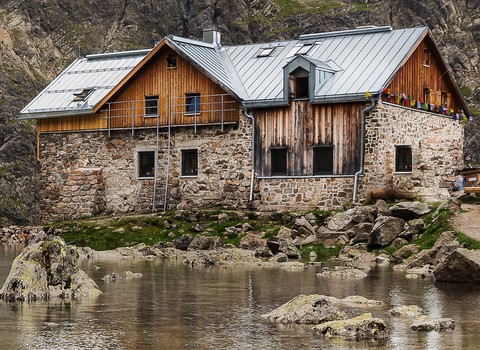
(182, 307)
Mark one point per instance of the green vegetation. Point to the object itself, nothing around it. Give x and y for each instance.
(437, 223)
(323, 253)
(465, 91)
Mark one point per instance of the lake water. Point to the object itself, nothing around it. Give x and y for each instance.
(175, 306)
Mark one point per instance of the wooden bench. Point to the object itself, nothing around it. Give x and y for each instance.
(471, 189)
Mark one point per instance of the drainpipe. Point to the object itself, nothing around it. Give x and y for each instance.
(252, 177)
(362, 148)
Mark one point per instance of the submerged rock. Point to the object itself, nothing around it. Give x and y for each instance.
(361, 327)
(406, 311)
(343, 273)
(47, 269)
(306, 309)
(425, 324)
(113, 277)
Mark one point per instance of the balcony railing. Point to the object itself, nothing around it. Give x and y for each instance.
(162, 111)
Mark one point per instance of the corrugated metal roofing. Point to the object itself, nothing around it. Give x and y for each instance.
(361, 60)
(99, 73)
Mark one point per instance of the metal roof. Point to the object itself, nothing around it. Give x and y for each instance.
(96, 74)
(360, 60)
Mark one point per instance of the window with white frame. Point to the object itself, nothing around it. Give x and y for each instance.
(192, 103)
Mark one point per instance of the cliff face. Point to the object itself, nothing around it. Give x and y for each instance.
(39, 39)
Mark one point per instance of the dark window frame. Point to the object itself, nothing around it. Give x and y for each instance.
(278, 161)
(193, 104)
(403, 159)
(190, 162)
(444, 99)
(145, 164)
(171, 61)
(152, 104)
(323, 162)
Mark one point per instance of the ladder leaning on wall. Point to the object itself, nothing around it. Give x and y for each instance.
(162, 164)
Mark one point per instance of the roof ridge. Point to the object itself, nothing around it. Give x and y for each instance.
(358, 30)
(118, 54)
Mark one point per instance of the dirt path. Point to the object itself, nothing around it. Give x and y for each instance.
(468, 221)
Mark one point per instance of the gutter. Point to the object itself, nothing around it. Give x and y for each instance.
(362, 148)
(252, 177)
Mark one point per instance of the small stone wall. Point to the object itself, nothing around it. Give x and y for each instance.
(19, 234)
(437, 151)
(324, 193)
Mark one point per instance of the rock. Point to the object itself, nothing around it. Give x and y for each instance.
(306, 241)
(357, 328)
(303, 227)
(444, 245)
(425, 324)
(414, 227)
(344, 221)
(382, 260)
(398, 242)
(289, 248)
(113, 277)
(385, 230)
(411, 276)
(47, 269)
(462, 265)
(285, 232)
(362, 227)
(130, 274)
(199, 227)
(409, 210)
(404, 252)
(273, 243)
(312, 256)
(343, 273)
(360, 238)
(119, 230)
(204, 243)
(279, 258)
(382, 208)
(223, 218)
(424, 271)
(406, 311)
(253, 241)
(183, 242)
(358, 300)
(306, 309)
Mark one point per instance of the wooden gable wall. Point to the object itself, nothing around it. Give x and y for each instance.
(301, 126)
(420, 72)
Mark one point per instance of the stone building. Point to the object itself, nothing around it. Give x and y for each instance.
(313, 123)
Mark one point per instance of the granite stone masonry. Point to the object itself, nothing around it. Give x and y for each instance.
(436, 144)
(87, 173)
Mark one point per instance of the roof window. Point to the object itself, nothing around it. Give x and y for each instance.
(266, 52)
(82, 96)
(303, 50)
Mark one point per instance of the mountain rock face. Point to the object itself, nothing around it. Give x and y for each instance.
(39, 39)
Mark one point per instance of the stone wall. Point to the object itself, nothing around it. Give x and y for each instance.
(437, 151)
(324, 193)
(86, 173)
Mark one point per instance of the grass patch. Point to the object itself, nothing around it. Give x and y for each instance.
(437, 222)
(323, 253)
(468, 242)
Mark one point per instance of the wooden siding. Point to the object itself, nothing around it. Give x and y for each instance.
(86, 122)
(301, 126)
(416, 74)
(171, 85)
(155, 79)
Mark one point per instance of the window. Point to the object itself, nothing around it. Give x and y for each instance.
(192, 103)
(146, 164)
(190, 162)
(403, 158)
(265, 52)
(303, 50)
(426, 95)
(444, 99)
(279, 161)
(298, 84)
(151, 105)
(426, 57)
(323, 160)
(81, 96)
(171, 61)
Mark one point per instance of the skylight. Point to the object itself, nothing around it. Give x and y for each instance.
(266, 51)
(304, 49)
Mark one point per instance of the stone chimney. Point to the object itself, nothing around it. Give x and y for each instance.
(211, 36)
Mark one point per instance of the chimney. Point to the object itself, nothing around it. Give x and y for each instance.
(211, 36)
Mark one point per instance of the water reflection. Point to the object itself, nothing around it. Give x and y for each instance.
(175, 306)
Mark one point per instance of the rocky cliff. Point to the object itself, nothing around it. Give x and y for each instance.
(40, 38)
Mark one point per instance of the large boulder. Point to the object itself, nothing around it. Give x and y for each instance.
(358, 328)
(344, 221)
(444, 245)
(183, 242)
(45, 270)
(306, 309)
(204, 243)
(303, 227)
(385, 230)
(404, 253)
(409, 210)
(462, 265)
